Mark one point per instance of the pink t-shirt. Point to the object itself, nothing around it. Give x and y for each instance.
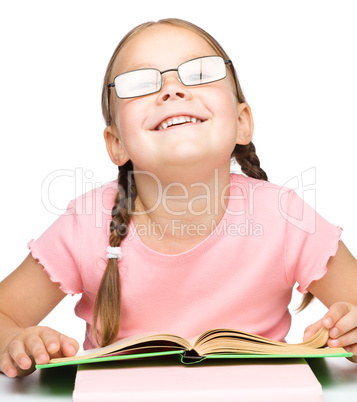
(240, 276)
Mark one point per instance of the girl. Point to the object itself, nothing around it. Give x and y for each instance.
(177, 244)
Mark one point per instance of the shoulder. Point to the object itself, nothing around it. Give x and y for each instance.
(101, 197)
(93, 209)
(262, 198)
(241, 184)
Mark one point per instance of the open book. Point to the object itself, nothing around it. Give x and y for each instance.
(216, 343)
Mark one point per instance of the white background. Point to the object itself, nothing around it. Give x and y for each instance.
(296, 61)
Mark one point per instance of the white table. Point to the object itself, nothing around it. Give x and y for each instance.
(337, 376)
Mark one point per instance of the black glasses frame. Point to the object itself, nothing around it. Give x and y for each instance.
(226, 62)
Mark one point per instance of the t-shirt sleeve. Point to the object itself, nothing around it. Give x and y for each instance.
(58, 251)
(310, 241)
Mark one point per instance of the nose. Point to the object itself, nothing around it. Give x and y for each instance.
(172, 88)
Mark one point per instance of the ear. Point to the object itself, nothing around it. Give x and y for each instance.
(245, 124)
(115, 148)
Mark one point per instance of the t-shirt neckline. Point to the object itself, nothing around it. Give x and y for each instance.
(208, 242)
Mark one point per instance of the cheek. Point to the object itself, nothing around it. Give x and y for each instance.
(225, 110)
(127, 120)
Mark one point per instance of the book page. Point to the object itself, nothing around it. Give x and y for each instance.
(133, 342)
(231, 341)
(210, 342)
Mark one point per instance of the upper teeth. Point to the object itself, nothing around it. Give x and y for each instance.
(177, 120)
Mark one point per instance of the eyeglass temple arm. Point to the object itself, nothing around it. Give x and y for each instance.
(234, 75)
(108, 94)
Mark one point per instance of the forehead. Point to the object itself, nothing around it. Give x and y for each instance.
(161, 46)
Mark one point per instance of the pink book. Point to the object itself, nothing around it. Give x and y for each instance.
(166, 380)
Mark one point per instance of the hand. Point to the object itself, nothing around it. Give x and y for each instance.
(341, 320)
(35, 345)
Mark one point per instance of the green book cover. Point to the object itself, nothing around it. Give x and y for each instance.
(187, 358)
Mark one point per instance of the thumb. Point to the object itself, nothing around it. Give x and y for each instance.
(312, 329)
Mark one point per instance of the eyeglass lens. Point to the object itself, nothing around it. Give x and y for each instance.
(142, 82)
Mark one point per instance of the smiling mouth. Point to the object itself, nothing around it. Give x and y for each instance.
(176, 121)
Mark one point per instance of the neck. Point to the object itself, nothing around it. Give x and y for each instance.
(172, 217)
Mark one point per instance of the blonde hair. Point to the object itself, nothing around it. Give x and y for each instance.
(107, 304)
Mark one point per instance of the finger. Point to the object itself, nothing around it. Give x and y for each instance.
(36, 348)
(22, 373)
(312, 329)
(335, 313)
(69, 346)
(7, 365)
(50, 339)
(348, 339)
(346, 324)
(17, 352)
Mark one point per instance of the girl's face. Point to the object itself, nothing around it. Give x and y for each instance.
(135, 135)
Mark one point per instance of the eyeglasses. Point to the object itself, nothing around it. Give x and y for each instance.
(147, 81)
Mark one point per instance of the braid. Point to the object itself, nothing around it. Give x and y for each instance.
(306, 300)
(107, 304)
(248, 160)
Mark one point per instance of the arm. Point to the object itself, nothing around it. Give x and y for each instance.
(337, 290)
(26, 297)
